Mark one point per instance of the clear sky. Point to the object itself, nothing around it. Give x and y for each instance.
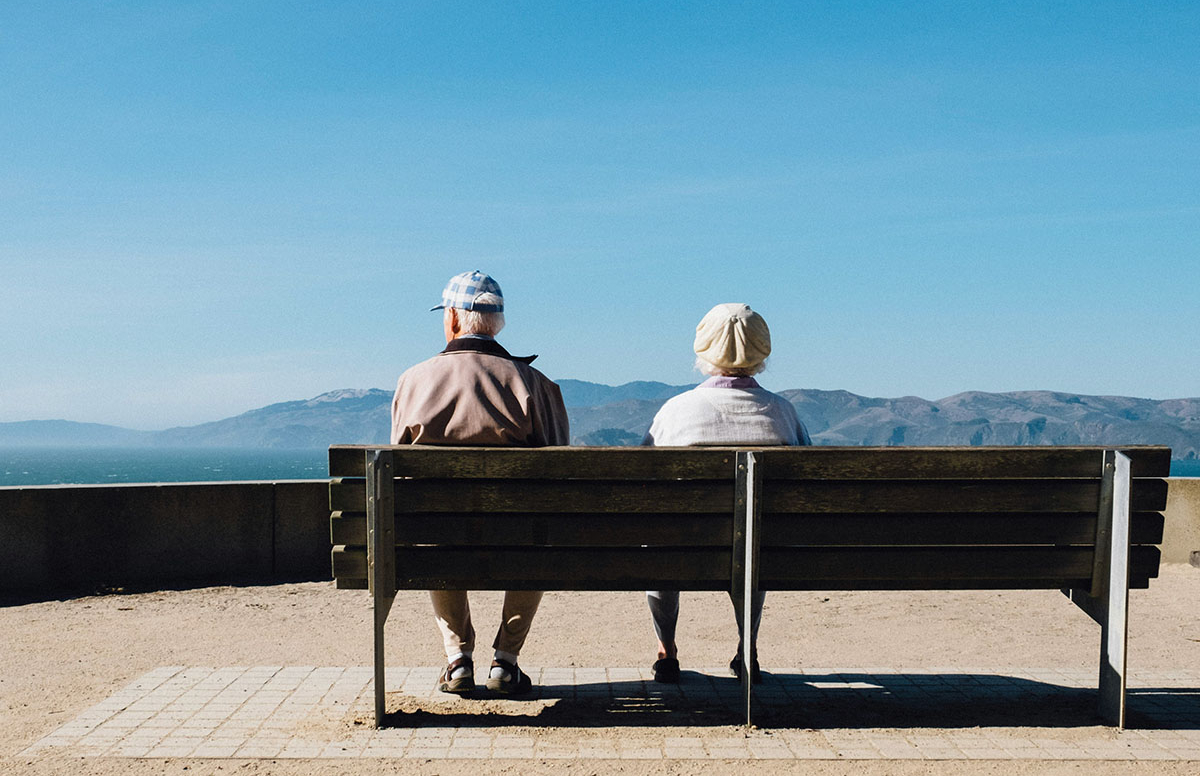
(208, 207)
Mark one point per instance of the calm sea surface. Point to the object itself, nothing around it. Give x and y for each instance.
(1185, 468)
(88, 466)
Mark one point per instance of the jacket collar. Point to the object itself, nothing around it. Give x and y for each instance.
(488, 346)
(723, 381)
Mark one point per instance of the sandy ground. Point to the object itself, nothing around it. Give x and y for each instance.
(61, 657)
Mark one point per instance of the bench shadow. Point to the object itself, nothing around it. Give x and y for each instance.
(812, 701)
(1163, 708)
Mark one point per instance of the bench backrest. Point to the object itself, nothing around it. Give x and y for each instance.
(667, 518)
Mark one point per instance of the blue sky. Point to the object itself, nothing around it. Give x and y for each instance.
(208, 207)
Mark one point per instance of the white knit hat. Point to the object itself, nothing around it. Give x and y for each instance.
(732, 336)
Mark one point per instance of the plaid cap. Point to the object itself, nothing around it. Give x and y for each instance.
(465, 288)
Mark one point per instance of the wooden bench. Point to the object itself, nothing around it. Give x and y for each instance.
(1081, 519)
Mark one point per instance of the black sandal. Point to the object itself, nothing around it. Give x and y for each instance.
(735, 668)
(666, 670)
(462, 685)
(517, 683)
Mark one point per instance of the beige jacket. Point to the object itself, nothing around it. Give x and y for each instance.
(475, 393)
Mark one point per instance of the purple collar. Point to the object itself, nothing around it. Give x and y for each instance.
(724, 381)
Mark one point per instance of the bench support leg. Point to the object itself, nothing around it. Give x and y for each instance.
(382, 607)
(381, 557)
(1114, 629)
(746, 522)
(1107, 602)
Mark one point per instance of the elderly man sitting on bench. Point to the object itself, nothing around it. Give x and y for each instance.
(475, 393)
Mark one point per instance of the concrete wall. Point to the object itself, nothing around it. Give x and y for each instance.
(87, 537)
(81, 538)
(1181, 534)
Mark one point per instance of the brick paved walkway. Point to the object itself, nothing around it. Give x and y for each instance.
(938, 713)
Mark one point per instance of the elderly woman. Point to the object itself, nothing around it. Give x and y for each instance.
(729, 408)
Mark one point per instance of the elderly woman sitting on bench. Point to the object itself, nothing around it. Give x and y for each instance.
(729, 408)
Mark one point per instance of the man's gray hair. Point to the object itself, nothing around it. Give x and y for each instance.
(713, 370)
(475, 322)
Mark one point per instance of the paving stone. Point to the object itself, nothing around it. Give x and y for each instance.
(254, 712)
(301, 749)
(761, 752)
(598, 751)
(983, 753)
(172, 751)
(1153, 754)
(342, 750)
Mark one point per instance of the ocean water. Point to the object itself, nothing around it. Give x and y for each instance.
(1186, 468)
(89, 466)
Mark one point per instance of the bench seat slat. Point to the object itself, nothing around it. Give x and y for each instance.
(439, 495)
(638, 568)
(567, 530)
(684, 530)
(616, 463)
(703, 496)
(498, 568)
(929, 568)
(780, 496)
(711, 463)
(794, 496)
(347, 528)
(897, 463)
(1053, 567)
(349, 563)
(348, 495)
(423, 569)
(1137, 583)
(842, 529)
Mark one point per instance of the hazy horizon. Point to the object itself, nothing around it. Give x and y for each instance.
(289, 400)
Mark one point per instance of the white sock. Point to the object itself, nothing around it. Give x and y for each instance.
(461, 671)
(499, 673)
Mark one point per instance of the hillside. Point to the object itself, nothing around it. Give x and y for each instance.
(620, 415)
(349, 415)
(67, 433)
(1018, 418)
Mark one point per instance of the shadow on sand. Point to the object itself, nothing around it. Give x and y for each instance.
(805, 701)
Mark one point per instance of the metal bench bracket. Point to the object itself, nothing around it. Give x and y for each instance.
(381, 557)
(746, 523)
(1114, 631)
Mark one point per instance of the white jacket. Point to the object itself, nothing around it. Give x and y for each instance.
(727, 411)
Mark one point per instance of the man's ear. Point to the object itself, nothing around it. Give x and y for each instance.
(455, 321)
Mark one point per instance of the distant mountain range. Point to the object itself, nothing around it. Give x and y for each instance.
(620, 415)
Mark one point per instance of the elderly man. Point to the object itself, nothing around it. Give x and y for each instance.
(729, 408)
(475, 393)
